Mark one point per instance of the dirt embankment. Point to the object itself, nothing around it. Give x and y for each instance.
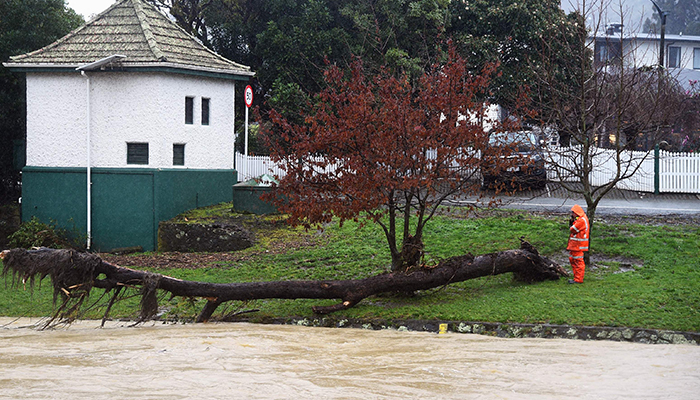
(280, 239)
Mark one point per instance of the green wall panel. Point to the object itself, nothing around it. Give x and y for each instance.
(247, 199)
(127, 204)
(181, 190)
(122, 210)
(55, 195)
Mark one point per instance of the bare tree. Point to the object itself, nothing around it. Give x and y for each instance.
(602, 104)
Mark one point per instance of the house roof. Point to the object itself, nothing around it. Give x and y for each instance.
(648, 37)
(138, 31)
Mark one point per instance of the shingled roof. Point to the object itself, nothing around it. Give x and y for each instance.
(137, 30)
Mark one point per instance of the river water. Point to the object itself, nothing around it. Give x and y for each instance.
(247, 361)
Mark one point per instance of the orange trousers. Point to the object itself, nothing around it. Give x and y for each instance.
(577, 265)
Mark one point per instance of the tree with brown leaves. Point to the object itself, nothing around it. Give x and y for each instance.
(386, 149)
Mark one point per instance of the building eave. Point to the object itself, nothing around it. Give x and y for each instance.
(166, 67)
(647, 37)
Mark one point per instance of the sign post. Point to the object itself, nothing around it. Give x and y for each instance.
(248, 103)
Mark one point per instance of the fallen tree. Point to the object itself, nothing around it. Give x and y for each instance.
(74, 275)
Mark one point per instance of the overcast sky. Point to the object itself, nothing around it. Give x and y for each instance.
(88, 8)
(635, 11)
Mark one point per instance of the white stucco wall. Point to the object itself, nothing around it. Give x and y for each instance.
(641, 53)
(127, 107)
(646, 51)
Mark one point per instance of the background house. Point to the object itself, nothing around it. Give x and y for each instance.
(681, 52)
(140, 109)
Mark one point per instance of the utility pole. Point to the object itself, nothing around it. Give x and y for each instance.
(662, 17)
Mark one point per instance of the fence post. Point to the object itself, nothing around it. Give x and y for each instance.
(656, 169)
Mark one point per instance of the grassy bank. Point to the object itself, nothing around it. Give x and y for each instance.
(642, 276)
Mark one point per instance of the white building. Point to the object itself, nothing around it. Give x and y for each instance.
(138, 108)
(681, 53)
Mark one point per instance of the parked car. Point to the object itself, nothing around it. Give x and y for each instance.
(523, 168)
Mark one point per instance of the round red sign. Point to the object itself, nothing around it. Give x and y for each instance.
(248, 96)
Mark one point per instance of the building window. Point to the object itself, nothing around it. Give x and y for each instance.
(189, 110)
(178, 154)
(137, 153)
(602, 52)
(696, 58)
(205, 111)
(608, 51)
(674, 57)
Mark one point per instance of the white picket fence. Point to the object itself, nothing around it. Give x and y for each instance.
(638, 165)
(678, 172)
(249, 167)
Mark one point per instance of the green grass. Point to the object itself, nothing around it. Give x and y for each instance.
(642, 276)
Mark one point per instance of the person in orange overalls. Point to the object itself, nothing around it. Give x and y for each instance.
(579, 233)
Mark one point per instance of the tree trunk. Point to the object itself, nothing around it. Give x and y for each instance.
(71, 271)
(410, 256)
(590, 213)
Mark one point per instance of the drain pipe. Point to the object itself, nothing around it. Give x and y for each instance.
(89, 171)
(97, 65)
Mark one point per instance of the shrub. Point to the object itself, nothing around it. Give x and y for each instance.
(35, 233)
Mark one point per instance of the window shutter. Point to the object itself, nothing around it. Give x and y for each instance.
(137, 153)
(178, 154)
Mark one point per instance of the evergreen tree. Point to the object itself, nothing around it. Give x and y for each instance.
(683, 17)
(25, 25)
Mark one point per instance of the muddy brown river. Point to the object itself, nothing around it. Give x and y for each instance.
(246, 361)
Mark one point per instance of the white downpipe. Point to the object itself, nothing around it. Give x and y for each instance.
(96, 65)
(89, 171)
(233, 124)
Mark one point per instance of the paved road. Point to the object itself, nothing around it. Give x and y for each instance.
(617, 202)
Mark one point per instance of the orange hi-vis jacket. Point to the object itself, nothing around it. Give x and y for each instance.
(579, 232)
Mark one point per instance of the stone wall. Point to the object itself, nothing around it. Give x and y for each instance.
(215, 237)
(544, 331)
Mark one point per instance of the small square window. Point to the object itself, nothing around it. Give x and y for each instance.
(189, 110)
(137, 153)
(205, 111)
(178, 154)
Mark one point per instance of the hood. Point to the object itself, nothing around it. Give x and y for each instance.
(578, 210)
